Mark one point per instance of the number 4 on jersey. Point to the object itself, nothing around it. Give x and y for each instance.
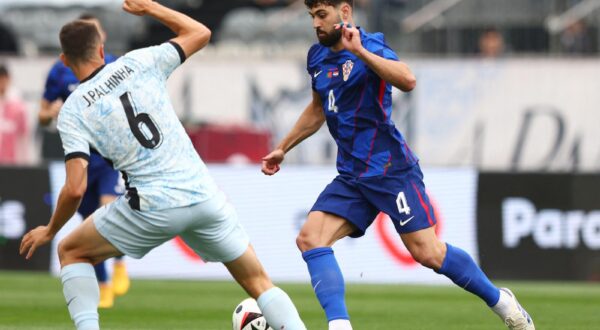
(332, 106)
(402, 203)
(142, 126)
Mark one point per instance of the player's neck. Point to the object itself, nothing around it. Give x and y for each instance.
(84, 70)
(339, 46)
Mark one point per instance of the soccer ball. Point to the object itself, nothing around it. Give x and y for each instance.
(247, 316)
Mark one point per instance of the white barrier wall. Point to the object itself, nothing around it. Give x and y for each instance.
(272, 210)
(523, 114)
(509, 114)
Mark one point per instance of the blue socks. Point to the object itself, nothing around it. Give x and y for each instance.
(327, 282)
(100, 270)
(279, 310)
(464, 272)
(82, 295)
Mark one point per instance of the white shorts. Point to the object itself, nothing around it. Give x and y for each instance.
(210, 228)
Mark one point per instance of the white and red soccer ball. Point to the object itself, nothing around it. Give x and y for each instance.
(247, 316)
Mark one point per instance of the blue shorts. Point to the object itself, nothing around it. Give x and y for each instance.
(102, 180)
(401, 196)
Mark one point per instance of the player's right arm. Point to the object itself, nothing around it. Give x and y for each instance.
(48, 111)
(76, 144)
(68, 201)
(50, 103)
(309, 122)
(191, 34)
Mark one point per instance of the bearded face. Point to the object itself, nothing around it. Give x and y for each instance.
(330, 38)
(324, 18)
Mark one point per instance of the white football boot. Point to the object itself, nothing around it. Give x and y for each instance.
(510, 311)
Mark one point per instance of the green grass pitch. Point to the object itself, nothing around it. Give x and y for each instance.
(34, 301)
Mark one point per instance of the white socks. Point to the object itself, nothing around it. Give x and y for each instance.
(279, 310)
(340, 325)
(504, 305)
(80, 288)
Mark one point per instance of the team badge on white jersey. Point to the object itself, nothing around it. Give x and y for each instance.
(347, 69)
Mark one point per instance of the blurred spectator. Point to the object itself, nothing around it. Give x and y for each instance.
(270, 3)
(491, 43)
(210, 13)
(8, 43)
(13, 123)
(576, 40)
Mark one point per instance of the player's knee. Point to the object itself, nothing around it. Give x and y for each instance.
(429, 257)
(64, 250)
(69, 252)
(427, 260)
(307, 241)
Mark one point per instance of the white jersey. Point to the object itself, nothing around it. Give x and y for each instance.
(123, 112)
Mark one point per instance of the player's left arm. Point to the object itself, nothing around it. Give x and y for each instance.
(68, 201)
(394, 72)
(191, 34)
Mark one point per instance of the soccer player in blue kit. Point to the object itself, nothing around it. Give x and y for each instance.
(123, 110)
(352, 75)
(103, 180)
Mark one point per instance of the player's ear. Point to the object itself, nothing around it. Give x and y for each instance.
(101, 51)
(346, 11)
(63, 59)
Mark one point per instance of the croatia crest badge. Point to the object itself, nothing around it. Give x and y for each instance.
(347, 69)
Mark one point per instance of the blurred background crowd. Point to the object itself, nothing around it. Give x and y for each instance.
(431, 27)
(272, 37)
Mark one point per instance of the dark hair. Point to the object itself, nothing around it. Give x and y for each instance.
(335, 3)
(3, 71)
(79, 39)
(88, 16)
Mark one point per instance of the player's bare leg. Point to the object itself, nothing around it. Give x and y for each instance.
(120, 279)
(458, 266)
(275, 304)
(77, 253)
(425, 247)
(315, 239)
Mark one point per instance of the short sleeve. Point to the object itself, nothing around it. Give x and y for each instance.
(72, 135)
(376, 45)
(164, 58)
(53, 87)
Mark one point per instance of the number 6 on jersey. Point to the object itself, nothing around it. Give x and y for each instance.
(142, 126)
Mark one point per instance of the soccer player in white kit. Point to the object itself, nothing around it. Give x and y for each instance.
(122, 111)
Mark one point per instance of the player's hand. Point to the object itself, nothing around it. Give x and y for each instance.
(137, 7)
(34, 239)
(270, 163)
(350, 36)
(54, 108)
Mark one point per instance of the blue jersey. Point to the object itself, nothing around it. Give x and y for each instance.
(358, 108)
(61, 81)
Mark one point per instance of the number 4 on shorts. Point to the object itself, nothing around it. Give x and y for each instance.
(402, 203)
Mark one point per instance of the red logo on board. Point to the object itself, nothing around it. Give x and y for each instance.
(391, 240)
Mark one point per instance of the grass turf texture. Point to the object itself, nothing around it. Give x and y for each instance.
(35, 301)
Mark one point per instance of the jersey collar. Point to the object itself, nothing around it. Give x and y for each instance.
(92, 74)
